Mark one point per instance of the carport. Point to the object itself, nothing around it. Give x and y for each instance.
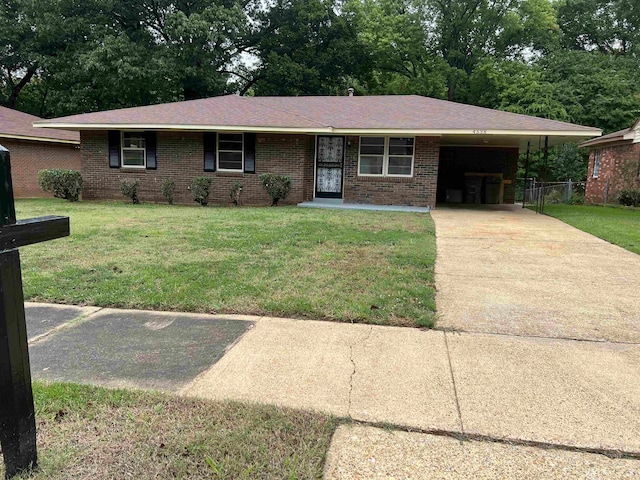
(482, 168)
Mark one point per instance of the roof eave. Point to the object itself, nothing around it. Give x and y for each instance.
(181, 127)
(312, 130)
(39, 139)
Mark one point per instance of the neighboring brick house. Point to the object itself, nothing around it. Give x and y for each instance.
(34, 149)
(386, 150)
(614, 165)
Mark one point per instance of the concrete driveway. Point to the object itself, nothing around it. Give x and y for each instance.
(508, 270)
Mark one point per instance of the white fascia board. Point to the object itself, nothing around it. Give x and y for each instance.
(476, 133)
(315, 130)
(166, 127)
(39, 139)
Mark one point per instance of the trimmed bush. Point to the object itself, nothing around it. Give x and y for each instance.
(629, 198)
(129, 188)
(277, 186)
(65, 184)
(200, 187)
(236, 190)
(168, 187)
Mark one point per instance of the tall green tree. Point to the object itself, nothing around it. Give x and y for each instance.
(304, 47)
(400, 61)
(596, 89)
(608, 26)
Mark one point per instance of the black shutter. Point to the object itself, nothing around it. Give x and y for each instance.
(150, 145)
(114, 149)
(210, 145)
(249, 153)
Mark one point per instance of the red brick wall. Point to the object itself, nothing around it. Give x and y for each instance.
(455, 161)
(619, 166)
(180, 157)
(29, 157)
(419, 190)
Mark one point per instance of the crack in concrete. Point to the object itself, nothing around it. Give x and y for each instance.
(453, 382)
(353, 372)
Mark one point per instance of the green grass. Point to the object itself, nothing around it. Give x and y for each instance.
(89, 432)
(618, 225)
(356, 266)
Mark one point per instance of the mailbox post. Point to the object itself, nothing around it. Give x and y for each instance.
(17, 418)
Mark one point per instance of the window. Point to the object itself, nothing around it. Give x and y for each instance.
(596, 164)
(230, 151)
(386, 156)
(133, 149)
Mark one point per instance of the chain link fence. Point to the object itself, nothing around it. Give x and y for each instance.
(538, 194)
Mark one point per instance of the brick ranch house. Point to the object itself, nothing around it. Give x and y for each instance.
(34, 149)
(614, 164)
(384, 150)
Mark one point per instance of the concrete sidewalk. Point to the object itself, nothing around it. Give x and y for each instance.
(579, 394)
(557, 393)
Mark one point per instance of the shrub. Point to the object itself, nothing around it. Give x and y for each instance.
(236, 190)
(168, 187)
(129, 189)
(554, 196)
(277, 186)
(200, 187)
(65, 184)
(630, 198)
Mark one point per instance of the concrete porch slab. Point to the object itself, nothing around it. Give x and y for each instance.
(365, 452)
(582, 394)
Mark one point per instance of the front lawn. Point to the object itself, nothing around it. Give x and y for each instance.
(358, 266)
(89, 432)
(618, 225)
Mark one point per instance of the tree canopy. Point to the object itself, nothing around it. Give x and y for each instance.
(570, 60)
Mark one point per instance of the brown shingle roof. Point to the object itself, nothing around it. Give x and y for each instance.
(613, 137)
(317, 114)
(15, 124)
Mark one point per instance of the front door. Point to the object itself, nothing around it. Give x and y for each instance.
(329, 165)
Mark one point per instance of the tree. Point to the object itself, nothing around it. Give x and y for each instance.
(304, 47)
(464, 32)
(515, 86)
(606, 26)
(596, 89)
(392, 34)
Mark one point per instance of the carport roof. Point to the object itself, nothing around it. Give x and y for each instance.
(18, 125)
(389, 114)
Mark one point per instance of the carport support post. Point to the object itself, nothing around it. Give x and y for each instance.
(526, 174)
(17, 418)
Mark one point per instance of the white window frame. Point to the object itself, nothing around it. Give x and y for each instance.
(597, 157)
(130, 149)
(385, 158)
(218, 152)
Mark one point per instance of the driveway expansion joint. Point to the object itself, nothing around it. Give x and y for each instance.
(537, 337)
(453, 383)
(478, 437)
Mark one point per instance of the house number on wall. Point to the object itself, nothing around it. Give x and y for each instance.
(479, 132)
